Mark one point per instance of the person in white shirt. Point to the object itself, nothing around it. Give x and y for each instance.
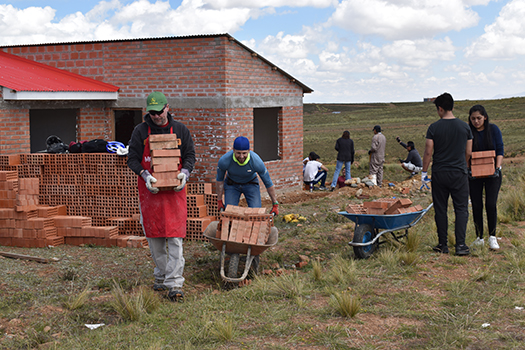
(314, 172)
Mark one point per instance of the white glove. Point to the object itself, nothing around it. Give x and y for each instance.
(123, 151)
(149, 179)
(182, 177)
(424, 178)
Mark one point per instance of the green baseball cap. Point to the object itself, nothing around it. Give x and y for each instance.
(156, 101)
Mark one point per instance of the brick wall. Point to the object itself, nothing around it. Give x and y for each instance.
(212, 84)
(14, 131)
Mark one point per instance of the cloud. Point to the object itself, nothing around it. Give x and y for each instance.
(419, 53)
(222, 4)
(505, 38)
(30, 21)
(403, 19)
(111, 20)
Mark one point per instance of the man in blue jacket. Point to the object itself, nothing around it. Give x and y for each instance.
(237, 174)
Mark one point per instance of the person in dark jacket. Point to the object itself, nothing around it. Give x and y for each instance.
(163, 213)
(413, 163)
(345, 156)
(487, 136)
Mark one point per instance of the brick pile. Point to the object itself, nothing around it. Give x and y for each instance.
(482, 163)
(165, 160)
(244, 225)
(202, 209)
(384, 206)
(99, 186)
(26, 223)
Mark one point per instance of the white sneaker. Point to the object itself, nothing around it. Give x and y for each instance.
(493, 243)
(478, 242)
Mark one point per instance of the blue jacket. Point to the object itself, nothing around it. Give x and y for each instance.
(243, 174)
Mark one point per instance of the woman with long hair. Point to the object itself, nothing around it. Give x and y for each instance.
(487, 136)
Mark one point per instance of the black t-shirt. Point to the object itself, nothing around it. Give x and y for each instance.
(450, 138)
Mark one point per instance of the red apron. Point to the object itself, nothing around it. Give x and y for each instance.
(163, 214)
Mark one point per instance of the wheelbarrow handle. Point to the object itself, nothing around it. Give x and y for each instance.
(249, 259)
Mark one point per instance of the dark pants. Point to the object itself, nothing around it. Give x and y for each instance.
(491, 186)
(444, 185)
(319, 177)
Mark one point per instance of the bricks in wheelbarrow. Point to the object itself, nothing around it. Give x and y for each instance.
(399, 203)
(355, 209)
(376, 207)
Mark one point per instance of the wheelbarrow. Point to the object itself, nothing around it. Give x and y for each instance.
(369, 228)
(235, 249)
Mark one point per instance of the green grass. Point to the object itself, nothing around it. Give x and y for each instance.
(404, 297)
(409, 121)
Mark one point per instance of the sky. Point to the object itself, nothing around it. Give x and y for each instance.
(347, 51)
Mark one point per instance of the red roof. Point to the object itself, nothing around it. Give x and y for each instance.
(20, 74)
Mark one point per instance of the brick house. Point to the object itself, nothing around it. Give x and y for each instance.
(215, 85)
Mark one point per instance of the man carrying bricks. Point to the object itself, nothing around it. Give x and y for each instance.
(163, 213)
(237, 174)
(449, 144)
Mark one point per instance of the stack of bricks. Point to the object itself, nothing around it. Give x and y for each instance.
(482, 163)
(165, 160)
(26, 223)
(99, 186)
(202, 206)
(384, 206)
(244, 225)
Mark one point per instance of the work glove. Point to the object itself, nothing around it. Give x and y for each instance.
(398, 139)
(275, 209)
(497, 172)
(183, 176)
(369, 151)
(424, 178)
(220, 205)
(149, 179)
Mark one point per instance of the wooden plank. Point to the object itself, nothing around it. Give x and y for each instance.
(28, 257)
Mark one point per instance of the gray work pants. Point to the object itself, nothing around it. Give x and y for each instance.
(168, 259)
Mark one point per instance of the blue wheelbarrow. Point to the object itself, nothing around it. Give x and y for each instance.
(369, 228)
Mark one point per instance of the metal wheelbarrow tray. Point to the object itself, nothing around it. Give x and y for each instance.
(369, 228)
(235, 249)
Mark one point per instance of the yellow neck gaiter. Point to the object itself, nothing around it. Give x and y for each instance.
(241, 164)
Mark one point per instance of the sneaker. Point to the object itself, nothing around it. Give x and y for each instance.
(441, 248)
(322, 188)
(478, 242)
(175, 295)
(159, 286)
(332, 188)
(462, 250)
(493, 243)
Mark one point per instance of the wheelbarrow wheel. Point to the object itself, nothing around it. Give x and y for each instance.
(233, 266)
(364, 234)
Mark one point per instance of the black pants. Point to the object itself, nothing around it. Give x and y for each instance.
(491, 186)
(450, 184)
